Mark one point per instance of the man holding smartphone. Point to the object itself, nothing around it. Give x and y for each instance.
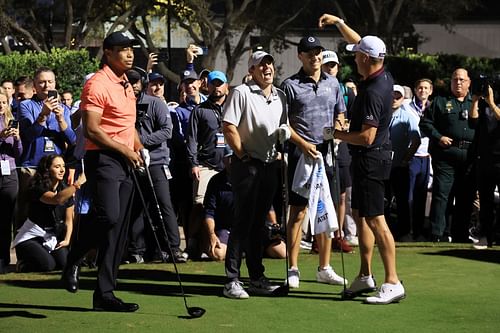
(44, 125)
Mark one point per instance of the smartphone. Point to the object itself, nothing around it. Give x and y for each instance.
(52, 93)
(201, 50)
(13, 123)
(162, 56)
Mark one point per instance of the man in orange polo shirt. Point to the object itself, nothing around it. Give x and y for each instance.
(113, 146)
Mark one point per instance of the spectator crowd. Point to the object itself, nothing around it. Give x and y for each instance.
(211, 161)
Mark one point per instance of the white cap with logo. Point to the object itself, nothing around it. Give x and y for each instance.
(329, 56)
(257, 57)
(370, 45)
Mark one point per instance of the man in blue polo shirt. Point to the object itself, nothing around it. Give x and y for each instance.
(370, 147)
(315, 102)
(405, 138)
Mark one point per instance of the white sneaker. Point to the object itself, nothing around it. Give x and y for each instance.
(328, 275)
(262, 286)
(352, 240)
(482, 244)
(388, 293)
(293, 278)
(360, 285)
(235, 290)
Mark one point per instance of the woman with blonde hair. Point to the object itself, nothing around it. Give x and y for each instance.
(10, 150)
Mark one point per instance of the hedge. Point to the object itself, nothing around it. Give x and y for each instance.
(407, 68)
(69, 66)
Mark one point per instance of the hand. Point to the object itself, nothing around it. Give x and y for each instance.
(152, 60)
(309, 150)
(133, 158)
(214, 244)
(191, 53)
(14, 132)
(490, 97)
(58, 111)
(61, 244)
(445, 141)
(49, 105)
(82, 179)
(195, 172)
(5, 133)
(145, 156)
(327, 19)
(283, 133)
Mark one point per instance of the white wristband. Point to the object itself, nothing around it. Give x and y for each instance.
(339, 22)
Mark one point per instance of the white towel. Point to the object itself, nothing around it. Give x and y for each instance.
(310, 181)
(31, 230)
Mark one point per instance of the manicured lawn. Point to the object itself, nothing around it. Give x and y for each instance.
(450, 288)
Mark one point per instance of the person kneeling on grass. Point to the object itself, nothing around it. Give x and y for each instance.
(219, 213)
(42, 242)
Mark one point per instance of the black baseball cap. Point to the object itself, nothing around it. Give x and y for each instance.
(189, 74)
(118, 38)
(308, 43)
(133, 75)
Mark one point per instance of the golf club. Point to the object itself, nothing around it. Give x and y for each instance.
(194, 312)
(284, 289)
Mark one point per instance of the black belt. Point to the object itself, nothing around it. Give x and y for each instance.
(462, 144)
(365, 150)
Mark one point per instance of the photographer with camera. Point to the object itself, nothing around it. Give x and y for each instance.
(154, 125)
(450, 125)
(488, 149)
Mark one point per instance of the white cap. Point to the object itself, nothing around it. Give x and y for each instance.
(370, 45)
(399, 89)
(329, 56)
(257, 57)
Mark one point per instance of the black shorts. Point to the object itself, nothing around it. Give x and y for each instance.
(369, 171)
(345, 180)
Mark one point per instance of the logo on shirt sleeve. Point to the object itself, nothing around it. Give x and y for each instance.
(369, 117)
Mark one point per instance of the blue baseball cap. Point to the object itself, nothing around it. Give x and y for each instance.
(217, 75)
(156, 76)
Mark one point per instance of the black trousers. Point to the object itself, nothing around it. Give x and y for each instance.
(37, 258)
(488, 179)
(111, 189)
(141, 239)
(8, 194)
(254, 185)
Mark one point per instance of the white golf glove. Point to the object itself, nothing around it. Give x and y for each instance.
(145, 156)
(283, 133)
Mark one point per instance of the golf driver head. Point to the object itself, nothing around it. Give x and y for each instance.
(195, 311)
(281, 291)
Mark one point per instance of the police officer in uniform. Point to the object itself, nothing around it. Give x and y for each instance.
(450, 124)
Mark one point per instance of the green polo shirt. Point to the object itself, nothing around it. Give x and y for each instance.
(446, 118)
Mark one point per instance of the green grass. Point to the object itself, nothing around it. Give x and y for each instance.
(449, 288)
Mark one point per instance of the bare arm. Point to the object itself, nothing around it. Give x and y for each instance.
(233, 139)
(69, 227)
(349, 35)
(365, 137)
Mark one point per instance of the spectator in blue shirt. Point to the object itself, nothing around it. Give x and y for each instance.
(405, 137)
(45, 129)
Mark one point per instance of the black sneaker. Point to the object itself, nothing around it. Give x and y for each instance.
(113, 304)
(178, 256)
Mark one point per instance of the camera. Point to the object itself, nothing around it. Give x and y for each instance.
(480, 83)
(274, 230)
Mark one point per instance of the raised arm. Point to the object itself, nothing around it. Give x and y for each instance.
(349, 34)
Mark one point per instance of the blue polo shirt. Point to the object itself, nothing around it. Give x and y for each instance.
(403, 129)
(312, 105)
(34, 136)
